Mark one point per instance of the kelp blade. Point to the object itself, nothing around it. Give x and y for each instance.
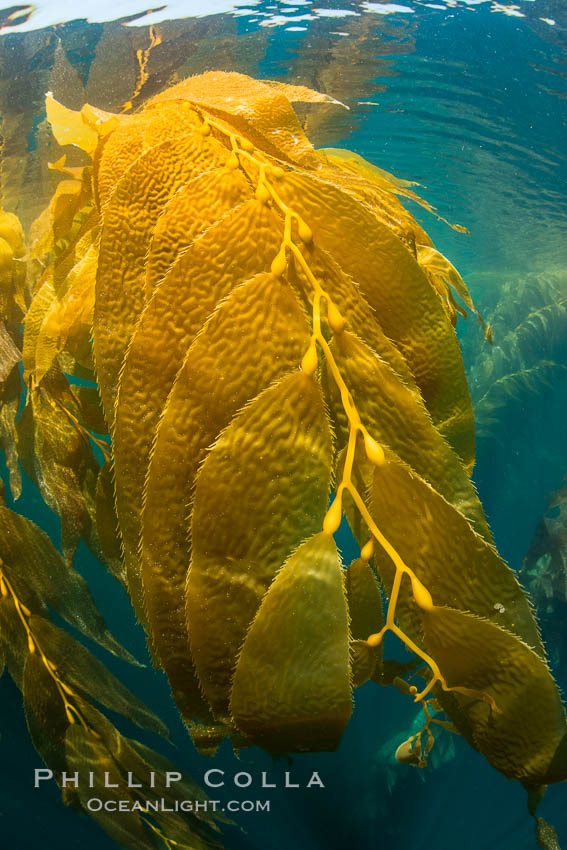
(263, 488)
(292, 682)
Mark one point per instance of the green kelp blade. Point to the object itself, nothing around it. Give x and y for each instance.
(85, 753)
(396, 417)
(257, 334)
(45, 713)
(365, 613)
(197, 205)
(230, 252)
(262, 489)
(61, 460)
(457, 566)
(407, 307)
(81, 670)
(521, 726)
(186, 788)
(33, 560)
(136, 762)
(291, 688)
(186, 830)
(14, 639)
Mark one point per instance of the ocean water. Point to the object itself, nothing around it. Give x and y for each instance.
(469, 99)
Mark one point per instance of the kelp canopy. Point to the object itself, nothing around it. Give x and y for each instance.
(272, 330)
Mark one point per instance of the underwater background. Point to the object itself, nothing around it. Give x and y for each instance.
(467, 98)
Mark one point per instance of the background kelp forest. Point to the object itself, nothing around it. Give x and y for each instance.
(514, 264)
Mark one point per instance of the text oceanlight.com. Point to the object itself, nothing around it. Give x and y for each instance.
(95, 804)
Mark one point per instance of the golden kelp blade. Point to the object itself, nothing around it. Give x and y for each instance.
(150, 367)
(355, 310)
(292, 682)
(262, 490)
(57, 220)
(301, 94)
(355, 164)
(215, 381)
(440, 269)
(261, 113)
(83, 128)
(107, 523)
(365, 612)
(372, 185)
(202, 202)
(128, 219)
(457, 566)
(10, 392)
(407, 308)
(68, 320)
(12, 307)
(522, 730)
(42, 303)
(513, 710)
(397, 417)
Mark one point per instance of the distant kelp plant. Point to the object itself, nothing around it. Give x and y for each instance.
(529, 355)
(272, 330)
(544, 571)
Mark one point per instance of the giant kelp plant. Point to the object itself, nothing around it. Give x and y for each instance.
(271, 332)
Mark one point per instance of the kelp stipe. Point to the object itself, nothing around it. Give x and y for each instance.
(270, 326)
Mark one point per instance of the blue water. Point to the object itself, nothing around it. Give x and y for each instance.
(471, 102)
